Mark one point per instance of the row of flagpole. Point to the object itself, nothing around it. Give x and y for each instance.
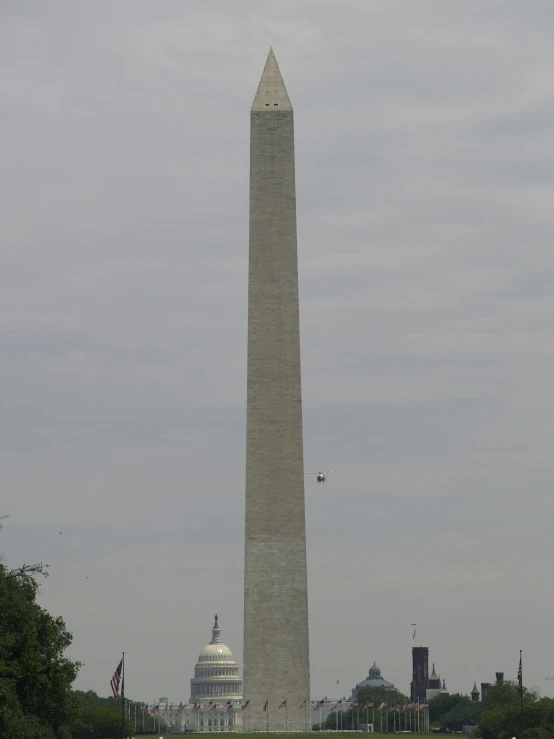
(416, 714)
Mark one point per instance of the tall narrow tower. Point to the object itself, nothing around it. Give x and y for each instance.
(276, 650)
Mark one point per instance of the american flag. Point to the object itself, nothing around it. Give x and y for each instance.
(302, 705)
(337, 705)
(283, 704)
(207, 705)
(352, 705)
(367, 705)
(116, 679)
(195, 707)
(319, 705)
(245, 705)
(213, 707)
(180, 707)
(265, 705)
(228, 706)
(383, 704)
(520, 676)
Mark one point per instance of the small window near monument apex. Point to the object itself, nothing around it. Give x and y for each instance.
(267, 105)
(275, 104)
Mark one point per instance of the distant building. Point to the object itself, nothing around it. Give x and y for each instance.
(484, 690)
(485, 687)
(434, 681)
(373, 680)
(434, 685)
(420, 673)
(215, 691)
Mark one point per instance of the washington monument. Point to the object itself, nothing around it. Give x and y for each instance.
(276, 649)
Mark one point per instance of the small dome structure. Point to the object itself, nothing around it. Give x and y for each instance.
(374, 672)
(373, 680)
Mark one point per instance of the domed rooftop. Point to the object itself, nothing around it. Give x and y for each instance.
(216, 675)
(373, 680)
(216, 651)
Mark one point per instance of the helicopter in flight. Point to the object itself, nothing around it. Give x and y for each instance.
(320, 475)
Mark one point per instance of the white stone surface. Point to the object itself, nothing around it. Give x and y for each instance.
(276, 651)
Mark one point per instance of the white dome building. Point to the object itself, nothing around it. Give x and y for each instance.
(215, 689)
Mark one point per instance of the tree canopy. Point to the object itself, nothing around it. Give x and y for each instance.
(350, 719)
(35, 678)
(99, 722)
(96, 714)
(501, 717)
(454, 711)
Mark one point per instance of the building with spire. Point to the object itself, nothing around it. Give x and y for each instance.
(215, 690)
(475, 692)
(435, 686)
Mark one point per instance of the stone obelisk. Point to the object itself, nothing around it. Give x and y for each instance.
(276, 649)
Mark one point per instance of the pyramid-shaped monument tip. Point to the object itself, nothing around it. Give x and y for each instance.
(272, 94)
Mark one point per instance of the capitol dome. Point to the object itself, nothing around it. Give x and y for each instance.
(216, 651)
(216, 674)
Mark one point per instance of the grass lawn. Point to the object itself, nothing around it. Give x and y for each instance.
(260, 734)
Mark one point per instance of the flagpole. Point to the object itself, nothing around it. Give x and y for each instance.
(123, 696)
(520, 686)
(286, 716)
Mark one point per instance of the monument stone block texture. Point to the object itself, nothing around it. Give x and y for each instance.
(276, 643)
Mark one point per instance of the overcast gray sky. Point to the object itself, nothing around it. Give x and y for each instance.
(425, 178)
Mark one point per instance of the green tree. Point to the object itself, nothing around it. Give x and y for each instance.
(35, 677)
(442, 704)
(501, 717)
(465, 713)
(89, 698)
(507, 693)
(99, 722)
(454, 711)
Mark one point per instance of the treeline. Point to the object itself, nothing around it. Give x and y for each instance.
(499, 715)
(384, 720)
(101, 717)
